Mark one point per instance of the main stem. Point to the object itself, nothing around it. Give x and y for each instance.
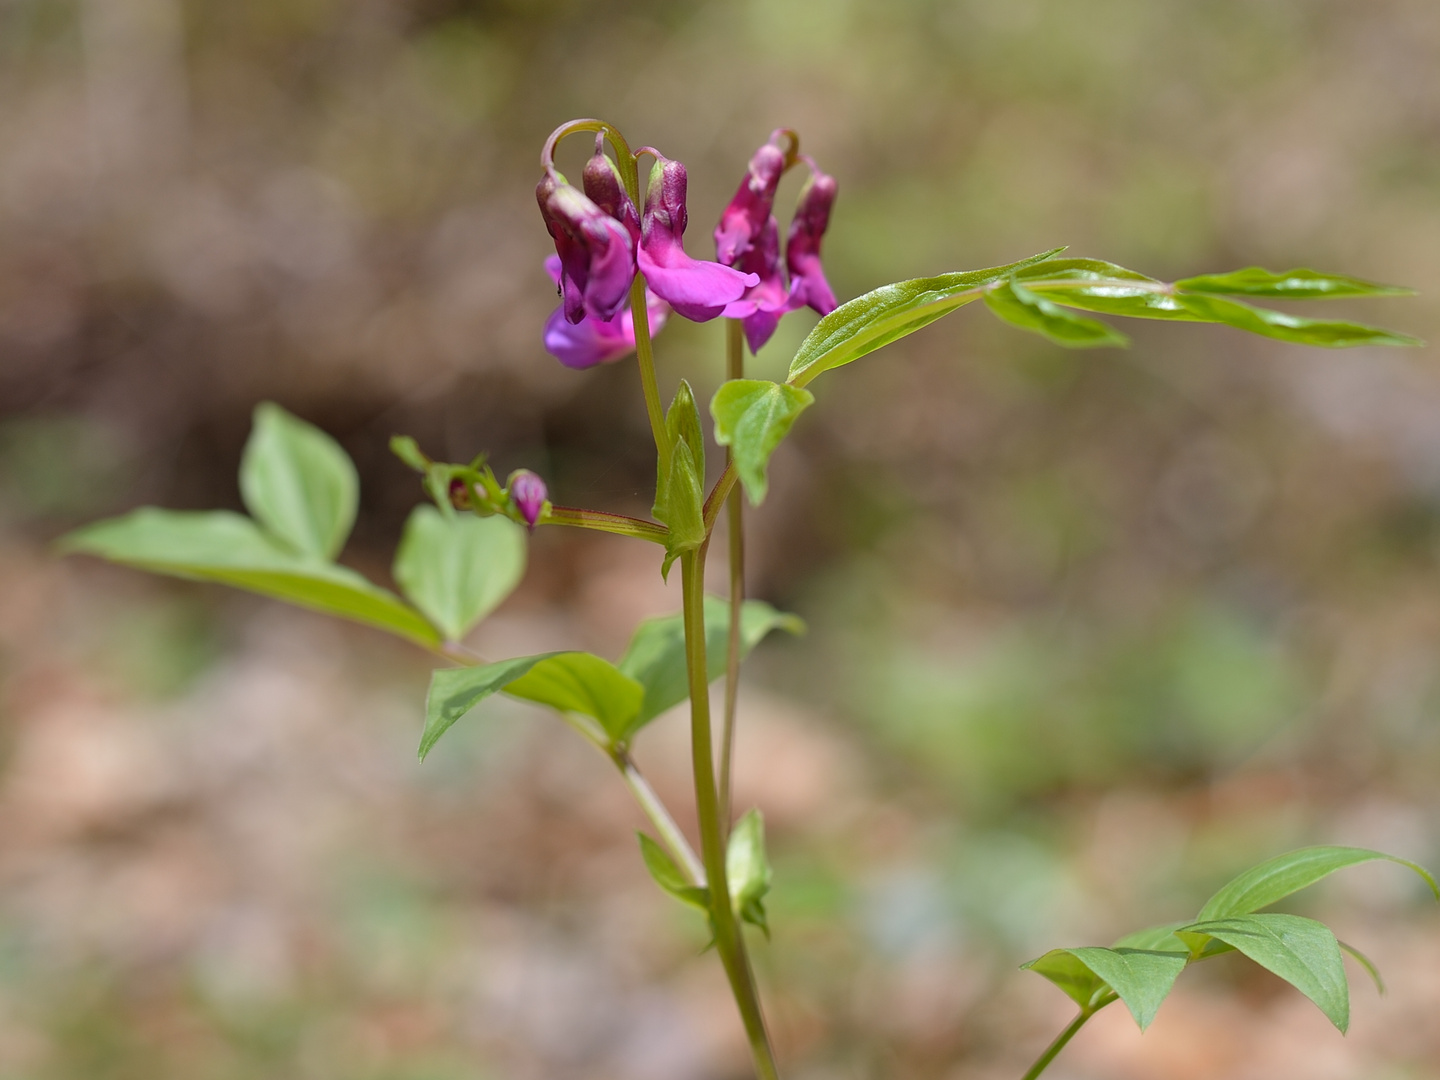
(1043, 1061)
(729, 941)
(735, 523)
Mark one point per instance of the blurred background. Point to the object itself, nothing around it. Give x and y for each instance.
(1089, 632)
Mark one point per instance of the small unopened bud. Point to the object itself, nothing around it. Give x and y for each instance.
(802, 250)
(603, 186)
(528, 494)
(459, 494)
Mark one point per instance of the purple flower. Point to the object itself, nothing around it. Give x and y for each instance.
(763, 304)
(528, 494)
(802, 249)
(751, 210)
(597, 254)
(603, 186)
(696, 289)
(592, 341)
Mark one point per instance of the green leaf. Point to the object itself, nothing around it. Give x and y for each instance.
(1153, 939)
(1303, 952)
(457, 569)
(680, 479)
(656, 654)
(298, 483)
(883, 315)
(1297, 284)
(1092, 270)
(455, 691)
(748, 870)
(1071, 974)
(231, 549)
(1366, 963)
(578, 682)
(1141, 977)
(1276, 324)
(668, 876)
(1277, 878)
(751, 417)
(1019, 306)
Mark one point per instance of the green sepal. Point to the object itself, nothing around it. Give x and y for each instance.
(230, 549)
(680, 478)
(408, 450)
(1298, 284)
(656, 653)
(667, 875)
(748, 870)
(1018, 305)
(1301, 951)
(458, 568)
(868, 322)
(751, 417)
(298, 483)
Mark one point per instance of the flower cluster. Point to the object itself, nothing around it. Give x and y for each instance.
(602, 241)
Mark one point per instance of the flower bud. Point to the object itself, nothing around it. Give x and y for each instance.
(597, 255)
(802, 249)
(528, 494)
(603, 186)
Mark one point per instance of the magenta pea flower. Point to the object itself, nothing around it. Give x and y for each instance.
(597, 253)
(528, 494)
(595, 341)
(748, 238)
(696, 289)
(802, 248)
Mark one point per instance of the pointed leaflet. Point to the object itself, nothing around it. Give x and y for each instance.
(578, 682)
(1067, 971)
(230, 549)
(1303, 952)
(656, 654)
(1277, 878)
(891, 312)
(1297, 284)
(668, 876)
(298, 483)
(748, 870)
(1141, 977)
(1277, 324)
(458, 569)
(680, 483)
(572, 682)
(455, 691)
(1019, 306)
(751, 417)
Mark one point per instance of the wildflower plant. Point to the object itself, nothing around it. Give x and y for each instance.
(622, 269)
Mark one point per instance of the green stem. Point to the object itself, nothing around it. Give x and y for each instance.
(718, 494)
(1043, 1061)
(604, 521)
(729, 942)
(646, 356)
(734, 518)
(659, 816)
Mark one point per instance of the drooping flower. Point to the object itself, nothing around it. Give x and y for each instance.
(802, 248)
(744, 221)
(760, 308)
(696, 289)
(603, 186)
(593, 341)
(597, 254)
(528, 494)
